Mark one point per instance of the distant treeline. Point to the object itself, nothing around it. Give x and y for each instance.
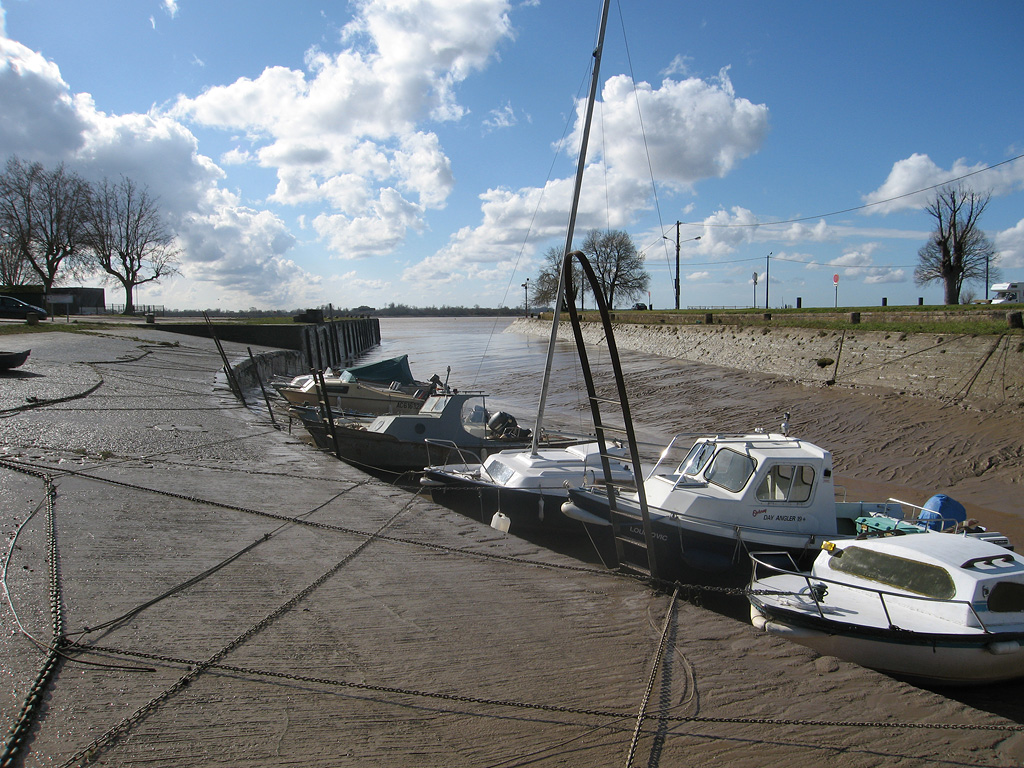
(403, 310)
(391, 310)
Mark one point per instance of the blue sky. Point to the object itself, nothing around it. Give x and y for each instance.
(422, 151)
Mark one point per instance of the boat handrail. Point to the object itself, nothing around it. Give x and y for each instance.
(748, 437)
(815, 593)
(663, 455)
(939, 523)
(450, 446)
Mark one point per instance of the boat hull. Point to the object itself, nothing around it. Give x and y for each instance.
(357, 399)
(528, 511)
(380, 451)
(687, 549)
(944, 659)
(11, 360)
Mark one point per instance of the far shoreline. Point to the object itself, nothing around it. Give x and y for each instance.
(984, 372)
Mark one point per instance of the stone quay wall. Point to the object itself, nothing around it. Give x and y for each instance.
(978, 371)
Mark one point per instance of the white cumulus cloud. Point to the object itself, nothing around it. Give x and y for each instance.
(692, 130)
(899, 191)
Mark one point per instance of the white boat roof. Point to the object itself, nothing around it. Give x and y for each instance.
(948, 550)
(770, 445)
(583, 453)
(951, 552)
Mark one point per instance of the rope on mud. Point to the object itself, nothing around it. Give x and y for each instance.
(41, 402)
(965, 389)
(202, 576)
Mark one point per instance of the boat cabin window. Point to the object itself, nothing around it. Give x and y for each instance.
(730, 470)
(695, 460)
(436, 406)
(787, 482)
(912, 575)
(499, 471)
(1006, 597)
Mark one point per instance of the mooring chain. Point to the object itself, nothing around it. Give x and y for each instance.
(655, 667)
(689, 589)
(556, 708)
(30, 708)
(325, 526)
(92, 750)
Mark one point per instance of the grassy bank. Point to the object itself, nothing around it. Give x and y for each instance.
(969, 319)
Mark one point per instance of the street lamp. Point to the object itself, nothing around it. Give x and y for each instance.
(526, 301)
(690, 240)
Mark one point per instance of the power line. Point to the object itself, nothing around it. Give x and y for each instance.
(855, 208)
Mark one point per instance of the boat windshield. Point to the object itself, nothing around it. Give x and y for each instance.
(695, 460)
(911, 575)
(474, 418)
(730, 469)
(435, 405)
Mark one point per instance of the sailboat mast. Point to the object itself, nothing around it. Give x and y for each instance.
(580, 165)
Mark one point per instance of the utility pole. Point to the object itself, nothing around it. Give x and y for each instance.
(678, 223)
(767, 263)
(677, 263)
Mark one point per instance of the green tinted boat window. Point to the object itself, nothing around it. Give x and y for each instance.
(911, 575)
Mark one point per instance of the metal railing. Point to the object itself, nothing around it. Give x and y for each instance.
(817, 589)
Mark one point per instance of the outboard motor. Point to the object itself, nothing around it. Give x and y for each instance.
(501, 422)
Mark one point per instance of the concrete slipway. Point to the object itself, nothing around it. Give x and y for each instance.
(232, 597)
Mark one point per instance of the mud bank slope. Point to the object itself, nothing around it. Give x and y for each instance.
(985, 372)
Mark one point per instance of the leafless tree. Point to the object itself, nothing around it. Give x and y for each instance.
(129, 238)
(546, 285)
(13, 266)
(43, 217)
(958, 250)
(618, 265)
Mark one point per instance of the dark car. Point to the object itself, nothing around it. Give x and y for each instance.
(640, 305)
(12, 307)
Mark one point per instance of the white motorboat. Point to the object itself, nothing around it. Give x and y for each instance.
(446, 424)
(944, 608)
(527, 487)
(374, 389)
(729, 495)
(522, 490)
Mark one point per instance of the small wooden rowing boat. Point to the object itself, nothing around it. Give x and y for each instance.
(9, 360)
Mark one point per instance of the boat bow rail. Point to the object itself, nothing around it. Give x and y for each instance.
(872, 606)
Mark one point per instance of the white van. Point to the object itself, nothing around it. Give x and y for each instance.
(1008, 293)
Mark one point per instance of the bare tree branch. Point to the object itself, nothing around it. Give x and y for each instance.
(958, 250)
(128, 237)
(43, 218)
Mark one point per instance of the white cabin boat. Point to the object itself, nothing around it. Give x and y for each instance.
(404, 442)
(527, 487)
(937, 607)
(374, 389)
(728, 496)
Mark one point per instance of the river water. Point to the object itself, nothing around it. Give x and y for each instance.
(884, 444)
(508, 367)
